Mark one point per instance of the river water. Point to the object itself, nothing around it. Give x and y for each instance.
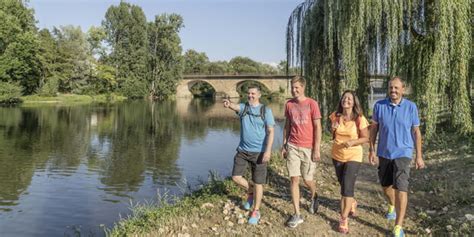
(66, 170)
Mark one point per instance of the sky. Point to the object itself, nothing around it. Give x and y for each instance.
(222, 29)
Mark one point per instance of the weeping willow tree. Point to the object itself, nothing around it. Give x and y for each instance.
(342, 44)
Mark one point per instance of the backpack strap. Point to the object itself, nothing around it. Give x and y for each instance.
(246, 110)
(263, 110)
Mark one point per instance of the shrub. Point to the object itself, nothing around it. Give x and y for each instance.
(10, 93)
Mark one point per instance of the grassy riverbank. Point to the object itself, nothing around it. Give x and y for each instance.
(71, 99)
(439, 202)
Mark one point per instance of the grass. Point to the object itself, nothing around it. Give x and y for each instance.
(148, 218)
(71, 99)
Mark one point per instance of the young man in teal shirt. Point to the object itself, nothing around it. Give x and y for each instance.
(255, 147)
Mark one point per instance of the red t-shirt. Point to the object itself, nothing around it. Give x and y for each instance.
(301, 116)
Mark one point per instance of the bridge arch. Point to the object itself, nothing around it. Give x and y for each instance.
(201, 88)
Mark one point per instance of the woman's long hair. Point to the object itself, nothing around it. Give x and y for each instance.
(356, 110)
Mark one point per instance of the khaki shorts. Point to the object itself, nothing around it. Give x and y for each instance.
(299, 162)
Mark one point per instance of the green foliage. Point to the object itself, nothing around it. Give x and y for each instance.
(74, 60)
(9, 93)
(219, 67)
(126, 29)
(96, 36)
(338, 43)
(164, 57)
(241, 65)
(50, 88)
(19, 60)
(195, 62)
(198, 63)
(133, 89)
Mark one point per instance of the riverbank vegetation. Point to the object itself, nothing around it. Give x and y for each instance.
(128, 54)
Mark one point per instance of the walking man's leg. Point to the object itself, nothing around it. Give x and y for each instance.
(295, 194)
(240, 165)
(401, 200)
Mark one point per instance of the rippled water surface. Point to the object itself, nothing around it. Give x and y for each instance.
(75, 169)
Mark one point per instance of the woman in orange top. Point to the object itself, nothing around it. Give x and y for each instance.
(350, 131)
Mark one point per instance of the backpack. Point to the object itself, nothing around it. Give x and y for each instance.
(247, 111)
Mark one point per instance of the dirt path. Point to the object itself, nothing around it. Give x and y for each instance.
(227, 218)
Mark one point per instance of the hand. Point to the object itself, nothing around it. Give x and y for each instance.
(316, 155)
(348, 143)
(266, 157)
(419, 163)
(372, 158)
(226, 103)
(284, 152)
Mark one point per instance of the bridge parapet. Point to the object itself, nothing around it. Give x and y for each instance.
(226, 85)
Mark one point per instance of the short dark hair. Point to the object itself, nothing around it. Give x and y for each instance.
(253, 87)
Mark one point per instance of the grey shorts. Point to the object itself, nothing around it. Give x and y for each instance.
(259, 169)
(395, 172)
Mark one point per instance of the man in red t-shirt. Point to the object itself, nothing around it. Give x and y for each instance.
(301, 145)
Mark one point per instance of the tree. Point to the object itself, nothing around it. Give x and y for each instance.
(19, 48)
(126, 29)
(96, 36)
(338, 43)
(164, 57)
(242, 65)
(218, 67)
(74, 61)
(195, 62)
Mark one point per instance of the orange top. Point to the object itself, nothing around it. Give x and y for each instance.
(347, 130)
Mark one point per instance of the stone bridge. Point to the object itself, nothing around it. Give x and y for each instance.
(227, 85)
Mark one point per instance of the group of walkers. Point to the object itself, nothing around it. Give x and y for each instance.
(395, 120)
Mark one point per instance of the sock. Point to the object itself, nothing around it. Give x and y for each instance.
(391, 208)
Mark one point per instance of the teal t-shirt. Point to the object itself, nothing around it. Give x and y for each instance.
(252, 131)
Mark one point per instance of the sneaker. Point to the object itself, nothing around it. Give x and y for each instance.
(254, 217)
(353, 211)
(248, 204)
(313, 207)
(343, 225)
(294, 221)
(398, 231)
(391, 214)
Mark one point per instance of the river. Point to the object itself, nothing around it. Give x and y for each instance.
(66, 170)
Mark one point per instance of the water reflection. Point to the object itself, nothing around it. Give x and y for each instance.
(69, 167)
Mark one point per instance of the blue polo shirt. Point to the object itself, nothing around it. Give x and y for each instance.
(253, 128)
(396, 138)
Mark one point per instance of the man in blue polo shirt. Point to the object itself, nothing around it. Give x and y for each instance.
(396, 118)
